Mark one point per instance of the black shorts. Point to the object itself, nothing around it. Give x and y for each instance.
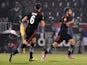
(62, 37)
(29, 35)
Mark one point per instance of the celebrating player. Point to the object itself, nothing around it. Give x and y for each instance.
(66, 21)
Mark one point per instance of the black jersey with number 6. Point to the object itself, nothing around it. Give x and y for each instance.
(34, 19)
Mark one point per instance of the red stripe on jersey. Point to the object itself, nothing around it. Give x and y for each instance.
(57, 39)
(31, 37)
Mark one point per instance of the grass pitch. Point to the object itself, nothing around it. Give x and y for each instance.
(51, 59)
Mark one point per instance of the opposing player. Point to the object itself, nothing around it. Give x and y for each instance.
(33, 19)
(66, 21)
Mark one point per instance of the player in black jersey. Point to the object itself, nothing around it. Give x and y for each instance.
(66, 21)
(33, 19)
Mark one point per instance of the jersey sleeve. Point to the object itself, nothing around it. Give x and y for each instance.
(28, 15)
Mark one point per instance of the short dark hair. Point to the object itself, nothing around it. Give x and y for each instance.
(67, 9)
(38, 6)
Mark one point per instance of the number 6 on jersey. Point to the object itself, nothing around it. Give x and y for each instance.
(32, 19)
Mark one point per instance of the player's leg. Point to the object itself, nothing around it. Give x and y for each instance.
(71, 47)
(72, 44)
(20, 46)
(55, 44)
(17, 50)
(47, 50)
(31, 49)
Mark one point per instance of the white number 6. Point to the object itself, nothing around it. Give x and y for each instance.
(32, 19)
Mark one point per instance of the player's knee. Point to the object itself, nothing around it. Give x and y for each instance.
(33, 41)
(55, 44)
(25, 42)
(72, 41)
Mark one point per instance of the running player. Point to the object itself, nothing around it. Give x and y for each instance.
(66, 21)
(33, 19)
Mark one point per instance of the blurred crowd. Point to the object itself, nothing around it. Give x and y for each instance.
(14, 10)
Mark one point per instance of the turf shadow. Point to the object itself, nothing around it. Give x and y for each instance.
(20, 63)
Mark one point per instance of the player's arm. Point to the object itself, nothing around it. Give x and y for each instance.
(42, 22)
(24, 19)
(70, 22)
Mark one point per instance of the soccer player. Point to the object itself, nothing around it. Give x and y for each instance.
(33, 19)
(66, 21)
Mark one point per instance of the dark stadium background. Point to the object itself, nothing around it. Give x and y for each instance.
(53, 10)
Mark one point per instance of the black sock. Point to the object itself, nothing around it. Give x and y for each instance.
(46, 52)
(49, 49)
(52, 46)
(23, 46)
(31, 49)
(31, 55)
(15, 52)
(69, 53)
(70, 50)
(32, 44)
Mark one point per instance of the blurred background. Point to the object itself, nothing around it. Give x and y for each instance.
(12, 11)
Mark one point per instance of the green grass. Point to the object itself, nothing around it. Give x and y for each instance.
(52, 59)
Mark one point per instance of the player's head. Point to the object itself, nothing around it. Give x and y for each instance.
(38, 7)
(68, 11)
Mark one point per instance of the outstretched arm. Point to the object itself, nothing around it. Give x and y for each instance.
(24, 19)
